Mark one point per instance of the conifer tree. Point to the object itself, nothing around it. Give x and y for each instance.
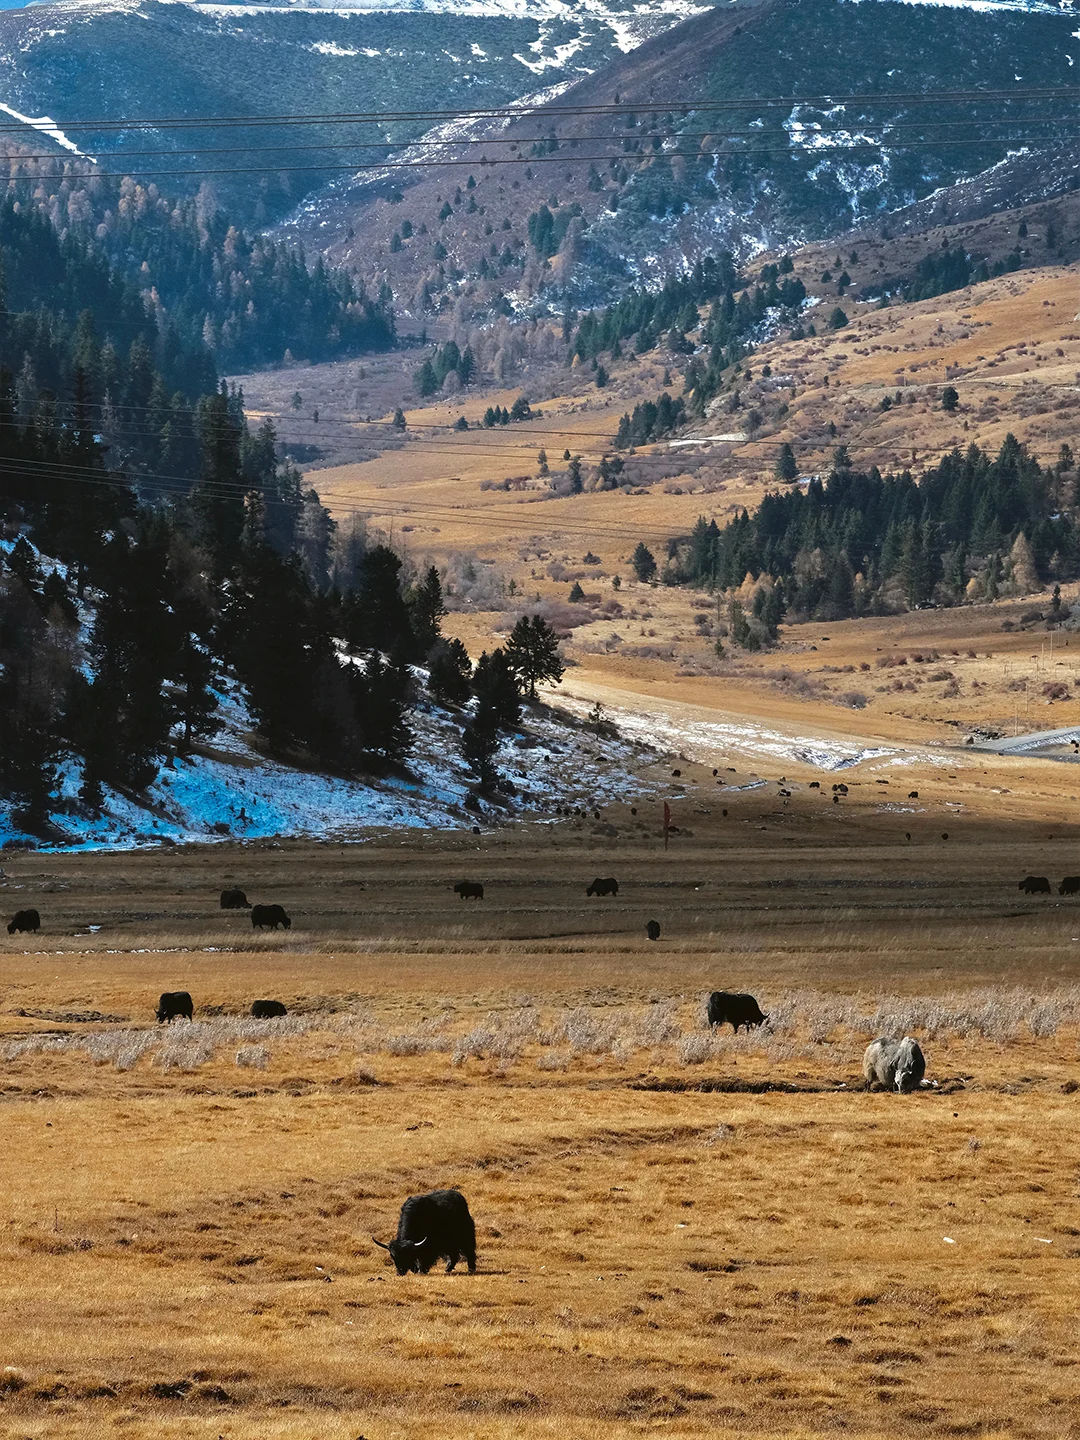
(786, 466)
(643, 562)
(496, 688)
(218, 494)
(426, 609)
(376, 616)
(383, 707)
(532, 653)
(449, 672)
(480, 745)
(37, 644)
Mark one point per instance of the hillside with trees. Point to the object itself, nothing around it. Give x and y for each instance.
(154, 552)
(246, 299)
(612, 185)
(974, 526)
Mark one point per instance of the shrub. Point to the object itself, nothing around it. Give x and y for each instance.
(695, 1049)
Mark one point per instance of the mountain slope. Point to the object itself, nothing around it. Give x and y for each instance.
(122, 60)
(651, 188)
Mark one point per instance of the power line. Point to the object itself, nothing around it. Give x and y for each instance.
(384, 509)
(512, 111)
(814, 132)
(486, 162)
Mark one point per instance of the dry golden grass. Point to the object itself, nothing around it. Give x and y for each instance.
(1011, 346)
(186, 1252)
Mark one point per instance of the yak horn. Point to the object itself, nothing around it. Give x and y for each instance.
(418, 1243)
(380, 1244)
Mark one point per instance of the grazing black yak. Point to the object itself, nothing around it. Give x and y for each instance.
(267, 1009)
(433, 1226)
(603, 887)
(271, 915)
(1034, 885)
(173, 1005)
(734, 1010)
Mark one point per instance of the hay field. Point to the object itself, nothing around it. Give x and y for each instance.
(666, 1243)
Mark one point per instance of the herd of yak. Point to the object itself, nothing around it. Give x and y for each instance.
(438, 1225)
(269, 917)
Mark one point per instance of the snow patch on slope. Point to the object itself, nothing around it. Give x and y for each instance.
(47, 127)
(230, 791)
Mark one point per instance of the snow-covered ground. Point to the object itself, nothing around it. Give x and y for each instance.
(710, 741)
(232, 792)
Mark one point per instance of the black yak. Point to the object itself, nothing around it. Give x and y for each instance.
(1034, 885)
(267, 1009)
(432, 1227)
(603, 887)
(174, 1004)
(271, 915)
(734, 1010)
(24, 920)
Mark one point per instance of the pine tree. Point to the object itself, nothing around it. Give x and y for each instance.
(449, 672)
(218, 494)
(841, 591)
(644, 562)
(376, 616)
(426, 610)
(37, 645)
(480, 745)
(133, 650)
(496, 688)
(786, 467)
(276, 640)
(533, 654)
(196, 704)
(425, 380)
(314, 533)
(383, 708)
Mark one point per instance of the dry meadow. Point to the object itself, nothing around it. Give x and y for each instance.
(679, 1232)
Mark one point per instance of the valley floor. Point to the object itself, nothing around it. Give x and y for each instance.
(705, 1234)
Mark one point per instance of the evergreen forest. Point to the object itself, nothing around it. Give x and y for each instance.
(249, 300)
(973, 526)
(157, 558)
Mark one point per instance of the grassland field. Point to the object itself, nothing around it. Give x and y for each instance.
(679, 1233)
